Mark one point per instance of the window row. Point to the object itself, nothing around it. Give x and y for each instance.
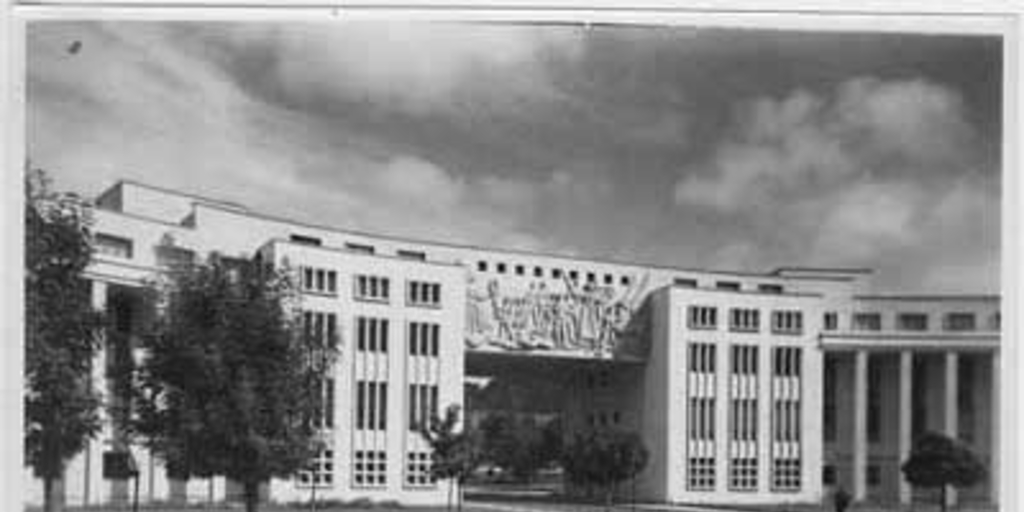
(554, 273)
(915, 322)
(359, 248)
(745, 319)
(372, 288)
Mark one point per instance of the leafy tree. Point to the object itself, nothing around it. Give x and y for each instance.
(519, 446)
(61, 328)
(939, 461)
(455, 451)
(229, 385)
(604, 459)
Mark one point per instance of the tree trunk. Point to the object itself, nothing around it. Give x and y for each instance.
(53, 494)
(459, 495)
(942, 497)
(451, 487)
(252, 495)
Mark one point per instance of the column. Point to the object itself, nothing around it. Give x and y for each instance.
(93, 491)
(905, 418)
(950, 411)
(993, 468)
(860, 425)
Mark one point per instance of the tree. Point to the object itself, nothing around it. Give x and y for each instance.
(455, 451)
(519, 446)
(61, 328)
(230, 385)
(604, 459)
(939, 461)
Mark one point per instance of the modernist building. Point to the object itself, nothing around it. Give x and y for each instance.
(747, 387)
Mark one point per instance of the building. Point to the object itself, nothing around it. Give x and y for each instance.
(747, 387)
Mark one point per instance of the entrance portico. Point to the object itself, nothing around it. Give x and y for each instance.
(883, 391)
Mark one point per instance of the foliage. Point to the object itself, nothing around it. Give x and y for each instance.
(229, 386)
(455, 452)
(603, 459)
(519, 446)
(940, 461)
(61, 328)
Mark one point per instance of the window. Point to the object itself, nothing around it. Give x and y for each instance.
(867, 322)
(831, 321)
(538, 272)
(423, 294)
(520, 270)
(372, 288)
(481, 266)
(323, 418)
(371, 405)
(371, 334)
(770, 288)
(787, 362)
(574, 275)
(744, 320)
(787, 322)
(370, 468)
(727, 285)
(994, 322)
(556, 273)
(319, 280)
(591, 277)
(702, 358)
(685, 282)
(424, 339)
(624, 280)
(743, 474)
(703, 317)
(701, 474)
(874, 416)
(829, 417)
(828, 475)
(744, 359)
(321, 472)
(174, 257)
(360, 248)
(960, 322)
(412, 255)
(912, 322)
(874, 476)
(501, 268)
(786, 475)
(418, 469)
(306, 240)
(608, 279)
(110, 245)
(423, 406)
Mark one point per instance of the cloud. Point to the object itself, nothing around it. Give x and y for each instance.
(879, 173)
(418, 67)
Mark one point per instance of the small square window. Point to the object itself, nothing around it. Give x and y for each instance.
(482, 266)
(538, 272)
(520, 270)
(556, 273)
(501, 268)
(574, 275)
(608, 279)
(624, 280)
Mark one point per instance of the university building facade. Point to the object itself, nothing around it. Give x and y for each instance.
(747, 388)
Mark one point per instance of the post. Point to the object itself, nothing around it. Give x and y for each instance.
(905, 419)
(860, 425)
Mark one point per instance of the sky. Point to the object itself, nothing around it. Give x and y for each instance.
(699, 148)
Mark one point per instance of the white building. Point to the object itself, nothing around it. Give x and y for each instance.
(747, 388)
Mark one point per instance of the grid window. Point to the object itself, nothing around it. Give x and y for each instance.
(960, 322)
(371, 334)
(110, 245)
(319, 280)
(912, 321)
(701, 474)
(702, 317)
(372, 288)
(423, 294)
(743, 474)
(744, 320)
(371, 468)
(867, 322)
(418, 470)
(786, 475)
(787, 322)
(320, 472)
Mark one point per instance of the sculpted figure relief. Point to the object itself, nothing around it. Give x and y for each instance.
(587, 318)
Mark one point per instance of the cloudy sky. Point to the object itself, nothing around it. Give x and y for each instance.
(709, 148)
